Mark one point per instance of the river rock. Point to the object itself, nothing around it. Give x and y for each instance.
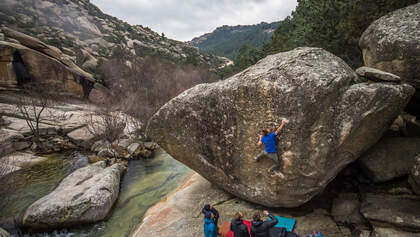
(390, 158)
(10, 141)
(213, 128)
(82, 137)
(393, 211)
(391, 44)
(108, 152)
(85, 196)
(375, 74)
(414, 178)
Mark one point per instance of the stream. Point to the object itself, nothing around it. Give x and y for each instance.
(144, 184)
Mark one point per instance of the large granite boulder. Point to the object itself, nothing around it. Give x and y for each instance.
(213, 128)
(390, 158)
(85, 196)
(414, 178)
(391, 44)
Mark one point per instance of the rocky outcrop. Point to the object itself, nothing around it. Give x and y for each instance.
(79, 27)
(85, 196)
(414, 178)
(392, 211)
(390, 158)
(35, 61)
(213, 128)
(391, 44)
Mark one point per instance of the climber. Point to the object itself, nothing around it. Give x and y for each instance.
(268, 138)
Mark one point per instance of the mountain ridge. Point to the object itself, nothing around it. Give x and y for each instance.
(225, 41)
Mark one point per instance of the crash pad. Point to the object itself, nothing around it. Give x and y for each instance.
(284, 222)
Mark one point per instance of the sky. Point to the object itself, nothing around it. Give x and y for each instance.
(185, 19)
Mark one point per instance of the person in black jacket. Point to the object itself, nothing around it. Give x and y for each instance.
(210, 208)
(238, 227)
(261, 228)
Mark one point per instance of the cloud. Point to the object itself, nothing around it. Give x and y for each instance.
(185, 19)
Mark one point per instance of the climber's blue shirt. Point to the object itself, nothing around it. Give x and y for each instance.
(269, 141)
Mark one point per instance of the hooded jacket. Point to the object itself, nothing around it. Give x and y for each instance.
(261, 228)
(209, 227)
(206, 209)
(238, 228)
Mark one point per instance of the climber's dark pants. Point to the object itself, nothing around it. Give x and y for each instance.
(272, 156)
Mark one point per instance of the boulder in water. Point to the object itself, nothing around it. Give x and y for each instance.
(213, 128)
(85, 196)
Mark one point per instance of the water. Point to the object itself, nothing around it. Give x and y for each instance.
(145, 183)
(25, 186)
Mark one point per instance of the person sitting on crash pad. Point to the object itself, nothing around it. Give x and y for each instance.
(238, 227)
(260, 228)
(209, 225)
(268, 138)
(210, 208)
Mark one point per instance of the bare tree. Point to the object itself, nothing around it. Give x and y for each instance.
(33, 101)
(143, 86)
(106, 124)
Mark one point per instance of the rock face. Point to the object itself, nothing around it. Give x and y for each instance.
(392, 211)
(391, 44)
(85, 196)
(414, 178)
(213, 128)
(35, 61)
(390, 158)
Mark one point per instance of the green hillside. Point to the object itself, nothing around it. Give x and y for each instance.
(227, 40)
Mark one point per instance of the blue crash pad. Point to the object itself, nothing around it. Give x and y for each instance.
(284, 222)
